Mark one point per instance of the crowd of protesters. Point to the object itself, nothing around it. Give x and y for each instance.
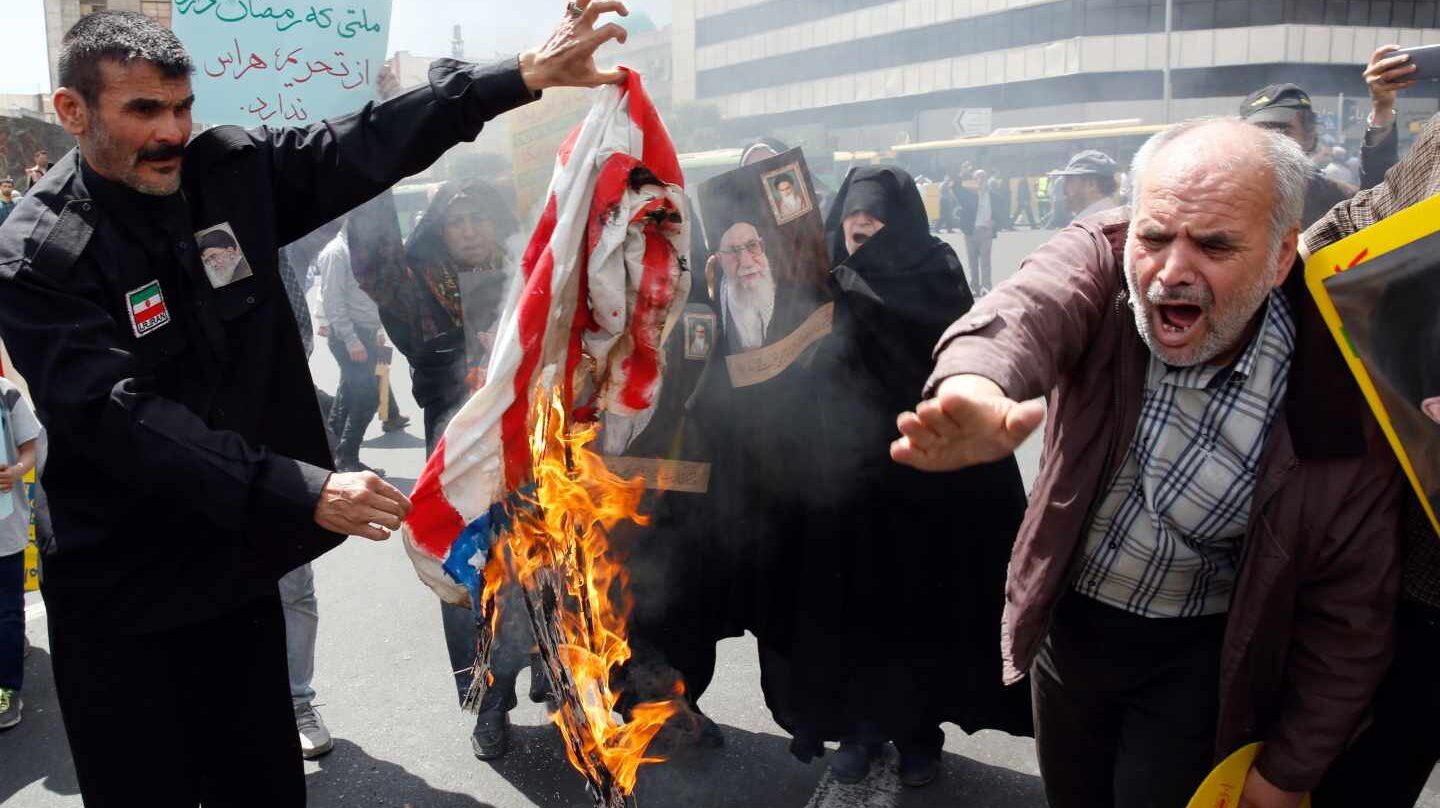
(1219, 547)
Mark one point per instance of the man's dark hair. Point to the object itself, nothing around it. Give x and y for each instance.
(4, 180)
(1106, 183)
(123, 37)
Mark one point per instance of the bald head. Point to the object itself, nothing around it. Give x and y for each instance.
(1214, 230)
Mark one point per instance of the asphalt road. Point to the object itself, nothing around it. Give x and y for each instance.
(384, 689)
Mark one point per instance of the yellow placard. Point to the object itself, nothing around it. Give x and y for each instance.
(1411, 224)
(1223, 787)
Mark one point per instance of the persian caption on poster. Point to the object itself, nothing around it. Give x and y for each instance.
(282, 62)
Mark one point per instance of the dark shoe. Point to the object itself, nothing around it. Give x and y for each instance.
(918, 770)
(10, 708)
(540, 686)
(491, 738)
(852, 762)
(395, 424)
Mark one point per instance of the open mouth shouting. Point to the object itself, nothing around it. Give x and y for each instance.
(1176, 324)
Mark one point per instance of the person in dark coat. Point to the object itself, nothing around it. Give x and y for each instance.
(188, 467)
(892, 620)
(440, 296)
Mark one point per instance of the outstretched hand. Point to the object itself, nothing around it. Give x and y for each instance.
(567, 59)
(968, 422)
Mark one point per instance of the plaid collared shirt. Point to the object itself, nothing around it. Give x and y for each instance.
(1165, 541)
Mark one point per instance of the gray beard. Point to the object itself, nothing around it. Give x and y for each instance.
(750, 310)
(1227, 326)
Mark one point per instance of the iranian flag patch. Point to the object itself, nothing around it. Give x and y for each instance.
(147, 309)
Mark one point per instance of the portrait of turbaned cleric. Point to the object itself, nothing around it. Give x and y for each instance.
(220, 251)
(767, 249)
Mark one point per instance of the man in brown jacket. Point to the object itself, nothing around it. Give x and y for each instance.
(1209, 556)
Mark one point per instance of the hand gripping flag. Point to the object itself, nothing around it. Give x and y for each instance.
(603, 282)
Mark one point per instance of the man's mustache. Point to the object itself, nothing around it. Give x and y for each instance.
(160, 154)
(1192, 294)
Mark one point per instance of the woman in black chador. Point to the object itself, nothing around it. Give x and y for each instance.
(894, 578)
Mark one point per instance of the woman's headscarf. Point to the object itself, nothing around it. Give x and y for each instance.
(426, 254)
(889, 194)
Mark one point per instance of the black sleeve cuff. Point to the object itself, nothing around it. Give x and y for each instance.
(289, 490)
(479, 92)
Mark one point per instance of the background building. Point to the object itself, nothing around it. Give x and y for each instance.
(61, 14)
(870, 74)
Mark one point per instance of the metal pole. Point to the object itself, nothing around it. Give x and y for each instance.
(1169, 27)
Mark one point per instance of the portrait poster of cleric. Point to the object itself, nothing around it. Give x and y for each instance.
(1390, 307)
(768, 263)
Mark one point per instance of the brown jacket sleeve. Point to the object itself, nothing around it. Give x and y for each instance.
(1342, 641)
(1031, 329)
(1411, 180)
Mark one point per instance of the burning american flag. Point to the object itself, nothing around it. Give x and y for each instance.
(603, 282)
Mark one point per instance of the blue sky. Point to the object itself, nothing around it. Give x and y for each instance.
(419, 26)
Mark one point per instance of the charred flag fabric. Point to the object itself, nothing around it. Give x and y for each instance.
(602, 282)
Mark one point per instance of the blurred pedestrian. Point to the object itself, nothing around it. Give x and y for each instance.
(978, 209)
(34, 173)
(9, 198)
(1339, 168)
(1287, 109)
(354, 340)
(1024, 203)
(1090, 184)
(20, 436)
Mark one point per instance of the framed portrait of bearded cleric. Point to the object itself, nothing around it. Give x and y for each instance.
(1385, 299)
(767, 264)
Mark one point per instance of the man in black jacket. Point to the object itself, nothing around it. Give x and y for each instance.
(188, 466)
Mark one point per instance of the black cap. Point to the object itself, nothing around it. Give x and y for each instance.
(1088, 163)
(1276, 103)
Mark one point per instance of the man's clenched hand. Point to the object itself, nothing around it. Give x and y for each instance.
(361, 504)
(968, 422)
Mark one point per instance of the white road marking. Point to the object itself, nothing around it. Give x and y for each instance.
(880, 790)
(34, 611)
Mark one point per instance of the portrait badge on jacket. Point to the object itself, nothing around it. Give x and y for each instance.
(220, 252)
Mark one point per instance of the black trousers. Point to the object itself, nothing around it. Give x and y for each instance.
(1125, 706)
(357, 399)
(195, 715)
(1389, 763)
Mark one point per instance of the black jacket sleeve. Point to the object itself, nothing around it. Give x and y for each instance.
(96, 396)
(1377, 159)
(326, 170)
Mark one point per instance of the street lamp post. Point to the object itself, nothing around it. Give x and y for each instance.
(1169, 26)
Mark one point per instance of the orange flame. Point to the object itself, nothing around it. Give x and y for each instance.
(559, 542)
